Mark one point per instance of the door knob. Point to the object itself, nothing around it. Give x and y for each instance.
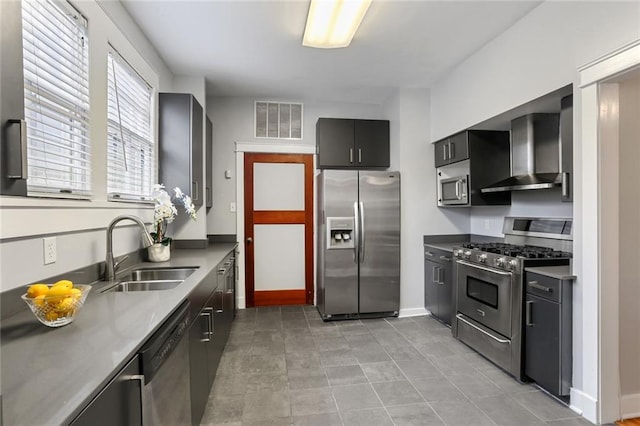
(249, 240)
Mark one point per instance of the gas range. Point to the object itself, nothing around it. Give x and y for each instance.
(510, 257)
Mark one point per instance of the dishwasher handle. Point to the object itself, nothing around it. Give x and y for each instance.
(160, 346)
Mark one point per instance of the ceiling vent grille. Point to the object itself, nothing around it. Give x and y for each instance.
(275, 120)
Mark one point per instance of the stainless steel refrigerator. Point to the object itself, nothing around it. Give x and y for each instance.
(358, 239)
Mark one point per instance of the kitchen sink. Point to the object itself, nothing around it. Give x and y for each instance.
(155, 285)
(155, 274)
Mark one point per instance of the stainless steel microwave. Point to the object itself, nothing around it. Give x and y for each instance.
(454, 191)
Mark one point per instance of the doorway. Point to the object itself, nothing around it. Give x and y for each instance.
(278, 228)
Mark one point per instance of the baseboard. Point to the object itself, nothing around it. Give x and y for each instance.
(630, 406)
(412, 312)
(584, 404)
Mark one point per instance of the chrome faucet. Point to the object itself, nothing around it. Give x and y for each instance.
(110, 264)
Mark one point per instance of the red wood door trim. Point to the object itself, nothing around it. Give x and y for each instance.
(251, 218)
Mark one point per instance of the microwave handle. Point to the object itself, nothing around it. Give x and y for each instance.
(458, 190)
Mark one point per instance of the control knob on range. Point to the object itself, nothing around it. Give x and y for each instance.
(513, 264)
(500, 262)
(482, 258)
(467, 254)
(457, 253)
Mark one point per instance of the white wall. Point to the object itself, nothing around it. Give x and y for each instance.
(538, 55)
(233, 121)
(80, 225)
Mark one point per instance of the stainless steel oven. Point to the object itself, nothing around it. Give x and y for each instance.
(454, 191)
(485, 295)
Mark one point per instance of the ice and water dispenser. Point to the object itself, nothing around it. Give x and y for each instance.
(340, 232)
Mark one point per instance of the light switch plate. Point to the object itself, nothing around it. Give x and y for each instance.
(49, 247)
(232, 207)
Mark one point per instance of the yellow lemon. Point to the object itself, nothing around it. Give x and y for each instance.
(51, 316)
(39, 300)
(66, 306)
(63, 283)
(76, 293)
(36, 290)
(57, 294)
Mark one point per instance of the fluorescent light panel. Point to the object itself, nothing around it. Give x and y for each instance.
(333, 23)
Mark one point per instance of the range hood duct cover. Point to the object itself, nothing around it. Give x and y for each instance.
(535, 154)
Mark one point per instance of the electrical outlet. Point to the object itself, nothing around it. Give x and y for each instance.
(49, 246)
(232, 207)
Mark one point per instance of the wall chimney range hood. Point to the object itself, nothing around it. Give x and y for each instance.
(535, 154)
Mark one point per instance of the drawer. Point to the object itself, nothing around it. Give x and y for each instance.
(543, 286)
(488, 343)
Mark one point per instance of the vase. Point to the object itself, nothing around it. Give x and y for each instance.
(159, 252)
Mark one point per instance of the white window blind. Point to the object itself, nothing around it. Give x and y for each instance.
(130, 147)
(56, 94)
(276, 120)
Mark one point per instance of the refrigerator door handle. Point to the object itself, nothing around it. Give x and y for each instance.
(362, 233)
(356, 232)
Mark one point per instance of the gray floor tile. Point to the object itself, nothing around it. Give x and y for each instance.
(293, 315)
(435, 349)
(308, 360)
(300, 323)
(223, 410)
(414, 415)
(401, 392)
(229, 384)
(391, 338)
(461, 413)
(264, 364)
(505, 411)
(331, 343)
(299, 344)
(382, 371)
(327, 419)
(371, 355)
(438, 389)
(543, 406)
(578, 421)
(505, 381)
(475, 386)
(418, 368)
(452, 365)
(345, 375)
(337, 357)
(354, 330)
(266, 405)
(267, 383)
(404, 352)
(355, 397)
(312, 401)
(371, 417)
(281, 421)
(377, 324)
(307, 378)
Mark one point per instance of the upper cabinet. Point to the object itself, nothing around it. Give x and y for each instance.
(208, 184)
(181, 144)
(346, 143)
(452, 149)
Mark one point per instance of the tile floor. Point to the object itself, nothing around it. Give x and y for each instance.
(285, 366)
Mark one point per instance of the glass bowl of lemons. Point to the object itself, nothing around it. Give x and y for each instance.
(57, 304)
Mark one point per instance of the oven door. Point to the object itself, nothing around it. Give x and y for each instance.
(484, 295)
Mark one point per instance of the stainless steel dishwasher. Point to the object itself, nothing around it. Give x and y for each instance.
(164, 365)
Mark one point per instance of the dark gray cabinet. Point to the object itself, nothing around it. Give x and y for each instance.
(547, 332)
(452, 149)
(208, 183)
(119, 403)
(438, 283)
(212, 308)
(181, 144)
(566, 147)
(346, 143)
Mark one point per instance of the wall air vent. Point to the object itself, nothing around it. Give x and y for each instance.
(275, 120)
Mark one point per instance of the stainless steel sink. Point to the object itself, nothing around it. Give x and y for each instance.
(127, 286)
(154, 274)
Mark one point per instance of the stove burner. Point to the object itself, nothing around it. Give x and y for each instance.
(513, 250)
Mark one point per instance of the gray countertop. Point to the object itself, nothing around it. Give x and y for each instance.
(448, 242)
(50, 374)
(562, 272)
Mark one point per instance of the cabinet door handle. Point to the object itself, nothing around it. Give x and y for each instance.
(452, 150)
(529, 313)
(195, 191)
(17, 169)
(444, 151)
(359, 155)
(429, 253)
(140, 378)
(208, 311)
(350, 155)
(445, 258)
(440, 276)
(534, 284)
(565, 184)
(434, 274)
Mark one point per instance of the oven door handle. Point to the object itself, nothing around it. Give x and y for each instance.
(461, 318)
(473, 265)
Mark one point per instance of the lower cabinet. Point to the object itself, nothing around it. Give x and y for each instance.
(119, 403)
(438, 283)
(547, 332)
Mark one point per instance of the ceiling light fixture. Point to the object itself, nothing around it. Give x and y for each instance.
(333, 23)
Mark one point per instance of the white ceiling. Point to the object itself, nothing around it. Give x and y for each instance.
(254, 48)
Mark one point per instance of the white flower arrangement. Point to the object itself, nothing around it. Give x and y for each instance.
(165, 211)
